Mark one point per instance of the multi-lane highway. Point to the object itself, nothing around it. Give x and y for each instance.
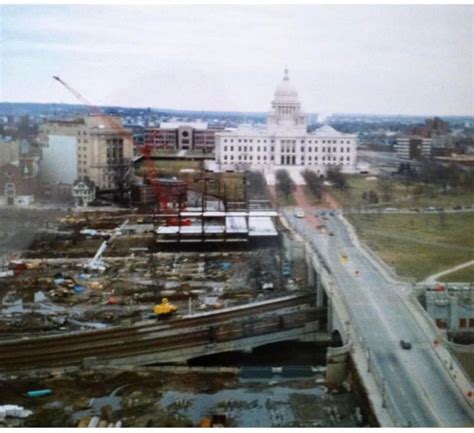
(417, 385)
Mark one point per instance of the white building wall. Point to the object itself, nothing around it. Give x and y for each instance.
(59, 163)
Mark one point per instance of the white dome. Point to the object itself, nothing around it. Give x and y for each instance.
(285, 92)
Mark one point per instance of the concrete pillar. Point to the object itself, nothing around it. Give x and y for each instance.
(277, 152)
(453, 323)
(337, 365)
(312, 276)
(319, 291)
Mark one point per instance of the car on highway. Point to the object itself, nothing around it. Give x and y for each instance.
(322, 213)
(406, 345)
(331, 234)
(458, 207)
(299, 213)
(332, 213)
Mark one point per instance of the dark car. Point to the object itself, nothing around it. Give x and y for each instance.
(331, 234)
(405, 344)
(458, 207)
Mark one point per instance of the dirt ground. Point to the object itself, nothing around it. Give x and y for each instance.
(161, 399)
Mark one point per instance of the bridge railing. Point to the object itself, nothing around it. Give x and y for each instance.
(450, 362)
(360, 349)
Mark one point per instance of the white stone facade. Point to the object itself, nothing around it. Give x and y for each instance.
(285, 142)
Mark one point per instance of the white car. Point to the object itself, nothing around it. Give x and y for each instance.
(299, 213)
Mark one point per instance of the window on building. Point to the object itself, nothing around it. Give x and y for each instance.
(348, 158)
(324, 149)
(225, 148)
(231, 148)
(348, 149)
(240, 148)
(273, 149)
(225, 140)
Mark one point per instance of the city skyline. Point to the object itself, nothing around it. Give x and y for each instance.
(352, 59)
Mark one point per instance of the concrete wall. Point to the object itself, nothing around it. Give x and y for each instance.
(59, 163)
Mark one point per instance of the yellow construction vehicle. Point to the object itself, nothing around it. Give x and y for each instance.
(165, 308)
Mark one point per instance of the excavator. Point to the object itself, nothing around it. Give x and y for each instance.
(165, 309)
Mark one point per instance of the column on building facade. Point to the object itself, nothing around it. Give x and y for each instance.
(298, 151)
(277, 152)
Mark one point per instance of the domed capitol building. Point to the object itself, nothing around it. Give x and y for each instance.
(284, 142)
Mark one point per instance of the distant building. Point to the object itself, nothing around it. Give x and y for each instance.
(285, 142)
(92, 147)
(431, 128)
(19, 170)
(83, 192)
(413, 147)
(182, 136)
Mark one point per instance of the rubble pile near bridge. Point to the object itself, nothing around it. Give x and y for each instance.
(148, 397)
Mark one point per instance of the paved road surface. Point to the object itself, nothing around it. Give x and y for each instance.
(416, 382)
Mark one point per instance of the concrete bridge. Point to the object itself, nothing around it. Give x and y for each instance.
(372, 312)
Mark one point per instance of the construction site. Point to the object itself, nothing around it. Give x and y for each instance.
(188, 305)
(119, 315)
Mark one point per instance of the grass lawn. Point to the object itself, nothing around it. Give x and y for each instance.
(464, 275)
(312, 200)
(418, 245)
(401, 196)
(283, 201)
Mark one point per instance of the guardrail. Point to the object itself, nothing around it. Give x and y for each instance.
(388, 272)
(456, 372)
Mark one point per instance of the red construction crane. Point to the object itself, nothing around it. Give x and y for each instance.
(146, 151)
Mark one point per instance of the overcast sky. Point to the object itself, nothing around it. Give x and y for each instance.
(352, 59)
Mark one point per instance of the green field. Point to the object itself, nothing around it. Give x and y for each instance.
(402, 196)
(312, 199)
(418, 245)
(463, 275)
(283, 201)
